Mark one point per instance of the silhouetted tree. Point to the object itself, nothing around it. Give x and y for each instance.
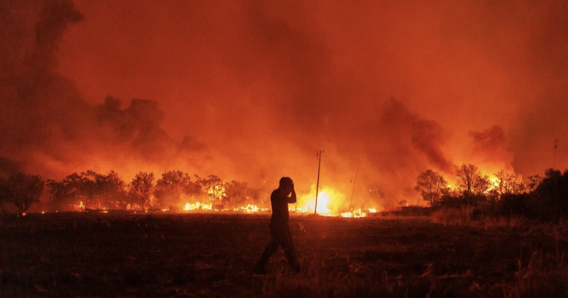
(431, 186)
(471, 182)
(240, 194)
(214, 187)
(110, 189)
(92, 189)
(534, 182)
(22, 190)
(550, 197)
(172, 187)
(509, 183)
(72, 190)
(514, 205)
(87, 185)
(141, 190)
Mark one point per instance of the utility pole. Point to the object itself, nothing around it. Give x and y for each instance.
(318, 181)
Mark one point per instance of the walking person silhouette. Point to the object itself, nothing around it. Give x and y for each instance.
(279, 229)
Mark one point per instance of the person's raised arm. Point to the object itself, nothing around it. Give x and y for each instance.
(292, 198)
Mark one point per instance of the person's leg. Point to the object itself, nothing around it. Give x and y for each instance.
(268, 251)
(288, 246)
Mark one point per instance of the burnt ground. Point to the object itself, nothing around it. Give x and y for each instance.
(212, 255)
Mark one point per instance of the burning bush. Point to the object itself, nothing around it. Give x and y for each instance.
(141, 190)
(92, 189)
(173, 186)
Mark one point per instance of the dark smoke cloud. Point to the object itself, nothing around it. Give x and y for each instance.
(138, 125)
(409, 140)
(47, 126)
(490, 147)
(399, 144)
(36, 102)
(8, 167)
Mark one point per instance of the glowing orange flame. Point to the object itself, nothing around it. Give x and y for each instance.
(330, 202)
(197, 206)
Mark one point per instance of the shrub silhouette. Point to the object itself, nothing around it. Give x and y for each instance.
(549, 200)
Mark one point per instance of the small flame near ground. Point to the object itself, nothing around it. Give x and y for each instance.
(329, 204)
(208, 207)
(197, 206)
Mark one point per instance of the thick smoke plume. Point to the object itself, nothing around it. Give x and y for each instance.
(47, 126)
(490, 148)
(251, 90)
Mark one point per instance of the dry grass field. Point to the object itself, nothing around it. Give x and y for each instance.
(212, 255)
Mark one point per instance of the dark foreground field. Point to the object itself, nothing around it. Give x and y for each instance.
(195, 255)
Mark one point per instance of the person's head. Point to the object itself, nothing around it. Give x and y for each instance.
(286, 184)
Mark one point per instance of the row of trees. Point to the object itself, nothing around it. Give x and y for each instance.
(470, 184)
(545, 198)
(144, 191)
(97, 191)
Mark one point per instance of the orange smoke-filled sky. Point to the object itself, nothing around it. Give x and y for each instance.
(250, 90)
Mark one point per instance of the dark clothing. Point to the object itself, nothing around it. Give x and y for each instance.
(279, 232)
(280, 212)
(281, 235)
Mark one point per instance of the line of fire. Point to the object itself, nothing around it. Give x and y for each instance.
(178, 192)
